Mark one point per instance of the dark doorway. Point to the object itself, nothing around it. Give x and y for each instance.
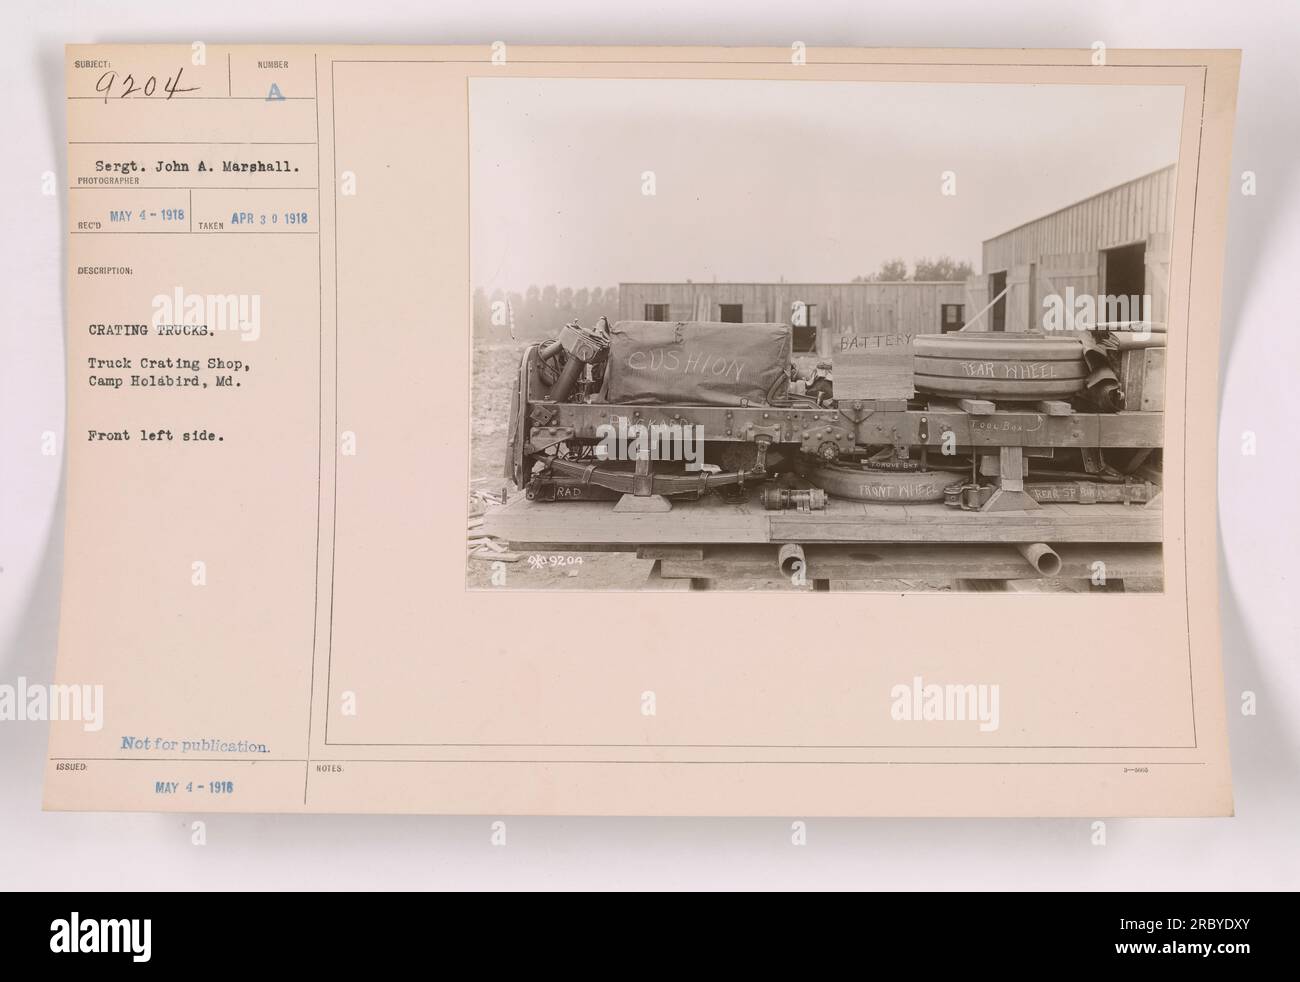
(998, 315)
(731, 313)
(656, 311)
(952, 317)
(1125, 283)
(803, 326)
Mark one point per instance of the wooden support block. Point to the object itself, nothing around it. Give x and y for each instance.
(655, 580)
(982, 586)
(1142, 377)
(1011, 468)
(491, 556)
(977, 407)
(1144, 584)
(1112, 585)
(991, 464)
(1004, 499)
(1056, 407)
(643, 504)
(684, 553)
(1010, 494)
(1048, 584)
(851, 586)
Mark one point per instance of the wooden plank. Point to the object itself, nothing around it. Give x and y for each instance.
(874, 364)
(1011, 468)
(704, 521)
(1129, 429)
(554, 547)
(922, 561)
(983, 586)
(581, 524)
(1052, 584)
(655, 580)
(1123, 560)
(670, 552)
(1153, 382)
(977, 407)
(1078, 523)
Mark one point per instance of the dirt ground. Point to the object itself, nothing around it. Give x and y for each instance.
(495, 368)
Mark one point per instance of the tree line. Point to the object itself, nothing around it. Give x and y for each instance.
(540, 311)
(944, 269)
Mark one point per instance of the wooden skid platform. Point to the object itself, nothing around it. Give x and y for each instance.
(888, 562)
(587, 524)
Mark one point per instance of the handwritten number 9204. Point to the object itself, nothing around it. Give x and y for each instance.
(109, 85)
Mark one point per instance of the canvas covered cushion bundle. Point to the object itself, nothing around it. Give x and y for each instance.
(697, 364)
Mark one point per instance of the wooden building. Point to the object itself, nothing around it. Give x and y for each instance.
(1113, 244)
(820, 312)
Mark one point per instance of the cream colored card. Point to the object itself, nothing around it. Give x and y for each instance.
(318, 297)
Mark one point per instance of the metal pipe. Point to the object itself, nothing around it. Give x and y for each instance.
(625, 480)
(790, 558)
(1041, 556)
(568, 379)
(805, 499)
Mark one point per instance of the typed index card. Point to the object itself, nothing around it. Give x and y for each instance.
(545, 430)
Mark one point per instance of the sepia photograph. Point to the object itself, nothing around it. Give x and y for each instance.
(819, 335)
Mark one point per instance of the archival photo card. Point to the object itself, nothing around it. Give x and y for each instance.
(642, 431)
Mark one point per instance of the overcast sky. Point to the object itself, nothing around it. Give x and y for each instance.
(759, 180)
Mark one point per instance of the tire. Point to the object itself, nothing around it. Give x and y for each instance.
(991, 388)
(1000, 345)
(1003, 370)
(999, 366)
